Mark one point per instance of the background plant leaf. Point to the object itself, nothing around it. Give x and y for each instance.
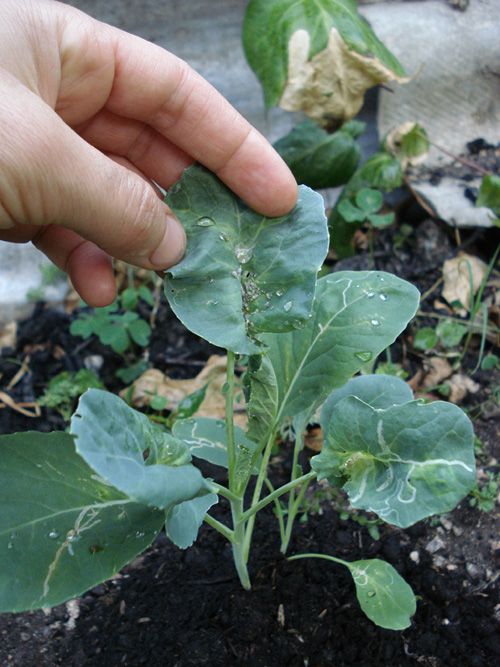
(381, 171)
(318, 159)
(489, 193)
(243, 273)
(405, 462)
(114, 440)
(63, 530)
(270, 24)
(355, 316)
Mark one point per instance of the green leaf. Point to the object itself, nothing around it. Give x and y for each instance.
(450, 333)
(405, 462)
(382, 220)
(132, 372)
(62, 529)
(81, 327)
(184, 520)
(383, 594)
(425, 339)
(489, 194)
(190, 404)
(356, 315)
(261, 393)
(415, 142)
(270, 24)
(129, 298)
(206, 439)
(349, 212)
(140, 332)
(369, 200)
(146, 295)
(243, 273)
(319, 159)
(381, 171)
(114, 440)
(489, 362)
(114, 334)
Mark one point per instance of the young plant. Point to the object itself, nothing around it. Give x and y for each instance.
(74, 508)
(119, 330)
(63, 389)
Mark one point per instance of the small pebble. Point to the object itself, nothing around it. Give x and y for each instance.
(446, 523)
(472, 570)
(435, 545)
(415, 557)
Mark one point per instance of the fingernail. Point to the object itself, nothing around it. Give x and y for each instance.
(172, 247)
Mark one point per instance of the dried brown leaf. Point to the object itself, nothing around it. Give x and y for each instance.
(155, 383)
(436, 370)
(461, 385)
(332, 84)
(8, 335)
(460, 273)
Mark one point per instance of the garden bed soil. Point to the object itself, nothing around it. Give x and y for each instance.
(179, 608)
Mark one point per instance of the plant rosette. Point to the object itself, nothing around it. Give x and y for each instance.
(76, 507)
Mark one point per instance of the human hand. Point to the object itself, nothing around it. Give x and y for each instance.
(90, 118)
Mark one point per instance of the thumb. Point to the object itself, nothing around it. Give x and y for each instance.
(52, 176)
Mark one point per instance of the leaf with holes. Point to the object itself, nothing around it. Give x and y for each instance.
(243, 273)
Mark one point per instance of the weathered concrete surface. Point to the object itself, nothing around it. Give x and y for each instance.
(454, 57)
(19, 274)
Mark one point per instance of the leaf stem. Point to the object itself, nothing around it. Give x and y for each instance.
(224, 530)
(246, 516)
(225, 492)
(325, 556)
(231, 450)
(279, 511)
(257, 491)
(292, 513)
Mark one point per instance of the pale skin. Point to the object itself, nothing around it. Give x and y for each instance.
(90, 118)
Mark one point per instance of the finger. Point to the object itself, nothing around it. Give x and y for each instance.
(119, 159)
(51, 175)
(156, 88)
(89, 267)
(142, 146)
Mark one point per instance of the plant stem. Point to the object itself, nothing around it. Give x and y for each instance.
(231, 450)
(252, 511)
(240, 554)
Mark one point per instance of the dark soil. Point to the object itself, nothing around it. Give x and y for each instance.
(180, 608)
